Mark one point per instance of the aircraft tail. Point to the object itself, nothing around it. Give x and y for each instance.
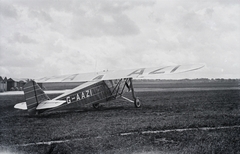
(34, 95)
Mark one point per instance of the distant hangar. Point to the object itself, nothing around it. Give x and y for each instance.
(11, 84)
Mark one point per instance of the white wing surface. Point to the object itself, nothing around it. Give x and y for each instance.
(43, 105)
(153, 73)
(21, 106)
(50, 104)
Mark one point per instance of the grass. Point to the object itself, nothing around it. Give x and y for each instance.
(98, 131)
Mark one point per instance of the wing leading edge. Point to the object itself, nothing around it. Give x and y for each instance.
(153, 73)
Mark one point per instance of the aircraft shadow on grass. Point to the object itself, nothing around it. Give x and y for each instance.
(65, 113)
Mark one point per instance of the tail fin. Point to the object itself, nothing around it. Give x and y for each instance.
(34, 95)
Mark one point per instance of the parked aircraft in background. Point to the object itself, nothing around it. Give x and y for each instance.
(99, 87)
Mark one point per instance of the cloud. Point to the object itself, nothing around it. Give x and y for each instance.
(102, 25)
(40, 38)
(20, 38)
(40, 15)
(7, 10)
(18, 58)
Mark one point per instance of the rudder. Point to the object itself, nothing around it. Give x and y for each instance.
(33, 96)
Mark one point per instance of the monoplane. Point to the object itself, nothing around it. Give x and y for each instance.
(98, 87)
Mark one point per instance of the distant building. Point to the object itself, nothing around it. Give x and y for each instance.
(14, 84)
(3, 84)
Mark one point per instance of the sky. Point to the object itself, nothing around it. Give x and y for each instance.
(41, 38)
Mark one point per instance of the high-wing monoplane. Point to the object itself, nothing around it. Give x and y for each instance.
(99, 87)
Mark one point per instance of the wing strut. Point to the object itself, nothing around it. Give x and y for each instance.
(119, 88)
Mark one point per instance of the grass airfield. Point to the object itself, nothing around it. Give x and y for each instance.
(206, 121)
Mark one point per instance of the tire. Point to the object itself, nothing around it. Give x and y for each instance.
(137, 103)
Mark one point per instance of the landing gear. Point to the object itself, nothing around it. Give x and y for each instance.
(118, 89)
(137, 103)
(96, 106)
(136, 100)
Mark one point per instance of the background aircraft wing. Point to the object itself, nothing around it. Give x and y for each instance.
(139, 73)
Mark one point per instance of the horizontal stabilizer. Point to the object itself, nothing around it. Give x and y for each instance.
(21, 106)
(50, 104)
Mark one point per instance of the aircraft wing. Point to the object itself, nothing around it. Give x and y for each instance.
(151, 73)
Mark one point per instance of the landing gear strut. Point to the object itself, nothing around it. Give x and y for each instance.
(136, 100)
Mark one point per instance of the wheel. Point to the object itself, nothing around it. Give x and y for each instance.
(96, 106)
(137, 103)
